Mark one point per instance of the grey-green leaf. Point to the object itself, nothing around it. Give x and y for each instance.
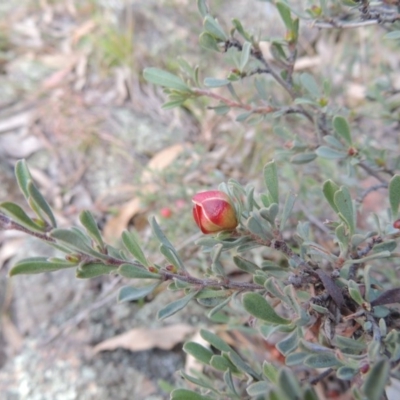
(329, 189)
(87, 271)
(345, 208)
(329, 153)
(75, 240)
(208, 42)
(342, 128)
(36, 265)
(16, 213)
(303, 158)
(159, 233)
(41, 203)
(376, 380)
(245, 265)
(172, 256)
(198, 351)
(131, 243)
(88, 221)
(271, 181)
(23, 176)
(184, 394)
(175, 306)
(215, 82)
(245, 54)
(165, 79)
(284, 12)
(258, 389)
(287, 209)
(135, 272)
(289, 343)
(131, 293)
(215, 340)
(309, 83)
(256, 305)
(212, 26)
(322, 360)
(394, 195)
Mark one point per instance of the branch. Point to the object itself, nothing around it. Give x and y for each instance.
(340, 24)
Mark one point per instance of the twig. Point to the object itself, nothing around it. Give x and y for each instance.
(372, 172)
(321, 376)
(340, 24)
(371, 189)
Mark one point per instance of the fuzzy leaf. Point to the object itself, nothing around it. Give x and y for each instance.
(244, 56)
(208, 42)
(342, 128)
(289, 343)
(23, 177)
(303, 158)
(172, 256)
(184, 394)
(309, 83)
(394, 195)
(41, 202)
(76, 240)
(271, 181)
(215, 340)
(135, 272)
(175, 306)
(287, 209)
(258, 389)
(376, 380)
(36, 265)
(256, 305)
(322, 360)
(245, 265)
(88, 221)
(345, 208)
(17, 214)
(214, 82)
(288, 383)
(329, 189)
(212, 26)
(132, 245)
(329, 153)
(86, 271)
(198, 351)
(284, 12)
(131, 293)
(164, 78)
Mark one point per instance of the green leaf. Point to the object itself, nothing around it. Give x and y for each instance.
(303, 158)
(41, 202)
(88, 221)
(287, 209)
(322, 360)
(202, 7)
(295, 358)
(244, 56)
(218, 307)
(132, 244)
(36, 265)
(289, 343)
(242, 366)
(75, 240)
(222, 363)
(394, 195)
(172, 256)
(392, 35)
(288, 383)
(258, 389)
(175, 306)
(86, 271)
(329, 153)
(271, 181)
(354, 292)
(345, 208)
(208, 42)
(284, 12)
(131, 293)
(172, 104)
(342, 128)
(256, 305)
(270, 371)
(159, 233)
(17, 214)
(270, 213)
(215, 340)
(239, 27)
(184, 394)
(346, 373)
(214, 82)
(135, 272)
(389, 245)
(23, 177)
(309, 83)
(165, 79)
(198, 351)
(376, 380)
(212, 26)
(245, 265)
(329, 189)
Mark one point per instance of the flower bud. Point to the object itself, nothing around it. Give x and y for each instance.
(214, 212)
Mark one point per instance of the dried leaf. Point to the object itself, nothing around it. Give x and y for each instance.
(140, 339)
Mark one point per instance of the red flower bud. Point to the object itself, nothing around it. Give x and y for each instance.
(214, 212)
(396, 224)
(166, 212)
